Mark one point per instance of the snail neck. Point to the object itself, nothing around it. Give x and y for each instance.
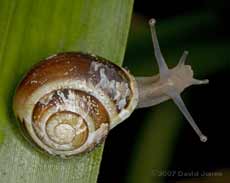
(150, 91)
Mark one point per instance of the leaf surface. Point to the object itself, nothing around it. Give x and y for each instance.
(31, 31)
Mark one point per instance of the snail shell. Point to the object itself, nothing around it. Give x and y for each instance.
(68, 103)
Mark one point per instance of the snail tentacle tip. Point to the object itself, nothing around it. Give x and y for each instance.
(199, 82)
(152, 22)
(186, 52)
(203, 138)
(183, 58)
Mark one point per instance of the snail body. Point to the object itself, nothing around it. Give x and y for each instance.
(68, 103)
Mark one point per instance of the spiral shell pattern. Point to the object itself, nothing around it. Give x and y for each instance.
(68, 103)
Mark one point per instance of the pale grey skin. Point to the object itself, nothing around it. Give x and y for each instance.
(168, 84)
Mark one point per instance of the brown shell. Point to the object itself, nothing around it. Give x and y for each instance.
(104, 93)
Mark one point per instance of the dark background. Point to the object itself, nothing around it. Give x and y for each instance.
(208, 103)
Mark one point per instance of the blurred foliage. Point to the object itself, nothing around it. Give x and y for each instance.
(31, 31)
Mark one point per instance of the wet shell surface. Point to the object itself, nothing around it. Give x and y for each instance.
(67, 103)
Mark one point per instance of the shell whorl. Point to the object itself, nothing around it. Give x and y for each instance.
(70, 101)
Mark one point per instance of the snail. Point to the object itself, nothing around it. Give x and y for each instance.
(68, 103)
